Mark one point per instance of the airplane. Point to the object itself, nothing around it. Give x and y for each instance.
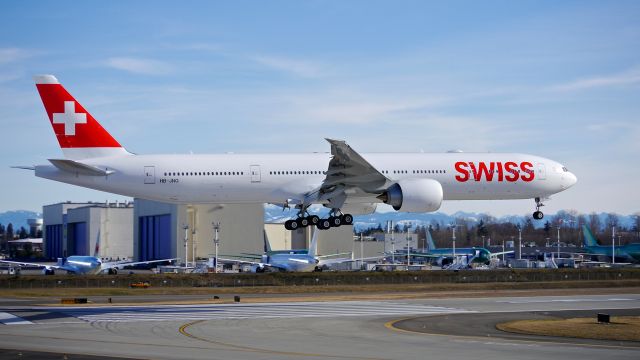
(84, 265)
(302, 260)
(478, 255)
(629, 252)
(343, 180)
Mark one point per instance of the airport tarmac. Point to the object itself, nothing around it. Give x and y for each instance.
(362, 329)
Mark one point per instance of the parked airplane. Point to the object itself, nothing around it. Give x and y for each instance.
(629, 252)
(344, 180)
(85, 265)
(304, 260)
(468, 255)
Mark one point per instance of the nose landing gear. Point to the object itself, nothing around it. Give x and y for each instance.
(538, 215)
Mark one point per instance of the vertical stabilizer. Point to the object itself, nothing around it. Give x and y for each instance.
(589, 239)
(96, 251)
(430, 244)
(313, 245)
(79, 134)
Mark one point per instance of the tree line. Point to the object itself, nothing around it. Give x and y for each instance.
(489, 231)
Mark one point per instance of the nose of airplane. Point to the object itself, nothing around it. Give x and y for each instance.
(570, 179)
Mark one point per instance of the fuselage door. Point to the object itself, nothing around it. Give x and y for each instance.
(255, 173)
(541, 172)
(149, 174)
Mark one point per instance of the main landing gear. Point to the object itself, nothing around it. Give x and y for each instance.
(335, 220)
(538, 215)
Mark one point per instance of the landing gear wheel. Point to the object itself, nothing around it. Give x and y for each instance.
(112, 271)
(302, 222)
(335, 221)
(538, 215)
(347, 219)
(323, 224)
(291, 225)
(313, 219)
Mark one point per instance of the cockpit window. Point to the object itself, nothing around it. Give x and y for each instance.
(565, 169)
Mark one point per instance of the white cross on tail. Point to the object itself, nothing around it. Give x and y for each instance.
(69, 118)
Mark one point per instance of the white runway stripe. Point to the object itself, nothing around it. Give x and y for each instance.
(253, 311)
(10, 319)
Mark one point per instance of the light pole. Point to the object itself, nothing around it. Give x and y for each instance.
(519, 242)
(483, 241)
(408, 247)
(216, 242)
(361, 250)
(393, 242)
(453, 238)
(186, 245)
(613, 244)
(559, 224)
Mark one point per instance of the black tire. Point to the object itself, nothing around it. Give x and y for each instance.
(112, 271)
(313, 219)
(538, 215)
(335, 221)
(323, 224)
(302, 222)
(294, 225)
(287, 224)
(347, 219)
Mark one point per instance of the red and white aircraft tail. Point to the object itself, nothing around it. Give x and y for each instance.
(79, 134)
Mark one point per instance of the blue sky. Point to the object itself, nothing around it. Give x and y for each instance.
(555, 79)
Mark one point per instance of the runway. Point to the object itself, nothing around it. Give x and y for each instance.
(277, 330)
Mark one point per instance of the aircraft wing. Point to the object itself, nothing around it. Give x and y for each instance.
(502, 253)
(122, 264)
(20, 263)
(349, 174)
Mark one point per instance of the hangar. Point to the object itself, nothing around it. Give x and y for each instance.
(146, 230)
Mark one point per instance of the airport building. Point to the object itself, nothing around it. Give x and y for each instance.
(148, 230)
(75, 228)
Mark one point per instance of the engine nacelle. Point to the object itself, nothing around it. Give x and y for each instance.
(359, 209)
(414, 195)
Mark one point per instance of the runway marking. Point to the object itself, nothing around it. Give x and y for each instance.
(10, 319)
(482, 339)
(528, 301)
(253, 311)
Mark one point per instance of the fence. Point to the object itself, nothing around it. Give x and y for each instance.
(324, 278)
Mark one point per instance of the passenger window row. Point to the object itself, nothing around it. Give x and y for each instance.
(415, 171)
(205, 173)
(301, 172)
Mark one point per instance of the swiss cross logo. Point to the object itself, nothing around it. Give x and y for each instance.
(69, 118)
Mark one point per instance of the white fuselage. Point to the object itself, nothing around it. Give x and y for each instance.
(279, 178)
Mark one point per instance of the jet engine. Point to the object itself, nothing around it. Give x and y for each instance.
(414, 195)
(359, 209)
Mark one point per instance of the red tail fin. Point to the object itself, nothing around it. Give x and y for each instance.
(79, 134)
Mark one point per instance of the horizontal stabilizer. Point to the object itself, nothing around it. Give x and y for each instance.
(80, 168)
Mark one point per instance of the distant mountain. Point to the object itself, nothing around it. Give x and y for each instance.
(18, 218)
(274, 214)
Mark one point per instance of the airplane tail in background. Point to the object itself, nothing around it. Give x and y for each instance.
(313, 245)
(79, 134)
(96, 251)
(589, 239)
(430, 244)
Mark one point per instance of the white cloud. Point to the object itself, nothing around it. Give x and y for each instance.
(9, 55)
(139, 66)
(629, 77)
(296, 67)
